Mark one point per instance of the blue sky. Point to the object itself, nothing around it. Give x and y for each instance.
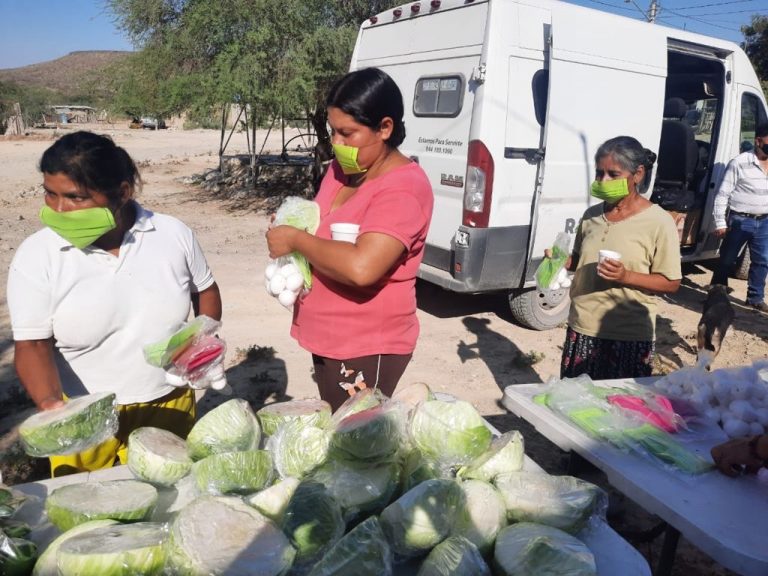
(34, 31)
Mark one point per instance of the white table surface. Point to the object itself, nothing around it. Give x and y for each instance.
(726, 518)
(613, 555)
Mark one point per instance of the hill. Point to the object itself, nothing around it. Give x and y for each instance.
(65, 75)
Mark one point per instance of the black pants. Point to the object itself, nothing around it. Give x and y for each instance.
(338, 380)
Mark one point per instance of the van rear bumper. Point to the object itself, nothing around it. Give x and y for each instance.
(490, 259)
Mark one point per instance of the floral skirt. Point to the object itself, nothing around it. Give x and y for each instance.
(603, 359)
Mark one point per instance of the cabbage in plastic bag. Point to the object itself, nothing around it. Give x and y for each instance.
(82, 423)
(305, 215)
(158, 456)
(363, 550)
(548, 270)
(310, 411)
(115, 550)
(482, 515)
(363, 400)
(370, 435)
(223, 535)
(17, 555)
(46, 564)
(454, 556)
(298, 448)
(230, 427)
(313, 521)
(524, 549)
(359, 488)
(422, 517)
(453, 433)
(273, 501)
(75, 504)
(562, 502)
(506, 454)
(234, 472)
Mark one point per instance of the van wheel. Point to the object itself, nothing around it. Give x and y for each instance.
(540, 310)
(741, 269)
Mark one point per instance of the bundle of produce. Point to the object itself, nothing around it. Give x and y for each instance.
(454, 556)
(452, 433)
(158, 456)
(298, 448)
(47, 564)
(363, 400)
(127, 500)
(734, 398)
(230, 427)
(312, 522)
(372, 435)
(273, 501)
(506, 454)
(481, 515)
(309, 411)
(562, 502)
(363, 550)
(588, 406)
(223, 535)
(526, 548)
(17, 554)
(81, 423)
(234, 472)
(117, 549)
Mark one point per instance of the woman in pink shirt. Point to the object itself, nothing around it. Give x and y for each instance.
(359, 320)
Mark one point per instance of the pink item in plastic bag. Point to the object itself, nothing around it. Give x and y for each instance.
(200, 353)
(661, 415)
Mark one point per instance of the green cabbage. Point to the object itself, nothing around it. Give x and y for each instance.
(363, 400)
(238, 472)
(158, 456)
(417, 468)
(363, 550)
(359, 488)
(524, 549)
(230, 427)
(312, 521)
(482, 515)
(17, 556)
(81, 423)
(223, 535)
(371, 435)
(454, 556)
(298, 448)
(309, 411)
(562, 502)
(449, 432)
(119, 550)
(74, 504)
(422, 517)
(304, 215)
(273, 501)
(506, 454)
(46, 564)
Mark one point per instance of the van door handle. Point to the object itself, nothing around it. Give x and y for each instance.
(530, 155)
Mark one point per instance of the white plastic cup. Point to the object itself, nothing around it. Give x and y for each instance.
(345, 231)
(603, 254)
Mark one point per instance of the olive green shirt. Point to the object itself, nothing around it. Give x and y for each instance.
(648, 242)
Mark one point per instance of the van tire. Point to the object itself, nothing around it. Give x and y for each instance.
(741, 268)
(540, 310)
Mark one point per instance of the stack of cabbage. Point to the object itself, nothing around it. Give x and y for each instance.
(408, 485)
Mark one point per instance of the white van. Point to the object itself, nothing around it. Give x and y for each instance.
(506, 103)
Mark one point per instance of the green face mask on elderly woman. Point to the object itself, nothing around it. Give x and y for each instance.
(610, 191)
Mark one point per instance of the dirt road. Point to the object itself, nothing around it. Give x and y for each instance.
(468, 346)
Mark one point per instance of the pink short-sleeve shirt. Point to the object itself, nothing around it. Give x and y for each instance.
(339, 321)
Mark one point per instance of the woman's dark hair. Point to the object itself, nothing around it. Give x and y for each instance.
(92, 162)
(370, 95)
(630, 155)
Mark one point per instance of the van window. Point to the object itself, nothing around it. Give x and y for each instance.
(752, 114)
(540, 86)
(438, 96)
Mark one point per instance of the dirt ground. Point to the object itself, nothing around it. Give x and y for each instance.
(469, 347)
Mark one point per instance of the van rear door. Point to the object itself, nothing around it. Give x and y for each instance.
(606, 79)
(432, 57)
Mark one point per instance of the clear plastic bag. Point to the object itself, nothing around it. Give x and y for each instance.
(550, 274)
(284, 280)
(192, 356)
(305, 215)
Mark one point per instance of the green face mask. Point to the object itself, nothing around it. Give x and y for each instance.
(347, 159)
(79, 227)
(610, 190)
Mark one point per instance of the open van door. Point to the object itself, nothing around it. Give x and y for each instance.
(601, 84)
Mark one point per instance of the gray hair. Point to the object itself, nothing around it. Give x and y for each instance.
(630, 155)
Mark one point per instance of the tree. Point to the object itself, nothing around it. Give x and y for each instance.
(756, 44)
(275, 57)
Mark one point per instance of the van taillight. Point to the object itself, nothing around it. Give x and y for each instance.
(478, 186)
